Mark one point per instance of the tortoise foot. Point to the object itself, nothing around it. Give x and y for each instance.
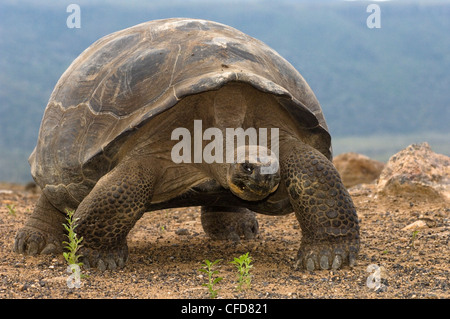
(43, 232)
(222, 223)
(104, 259)
(30, 241)
(327, 256)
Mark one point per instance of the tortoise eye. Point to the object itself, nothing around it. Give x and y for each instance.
(247, 167)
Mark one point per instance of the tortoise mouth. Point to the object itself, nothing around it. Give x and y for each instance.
(251, 192)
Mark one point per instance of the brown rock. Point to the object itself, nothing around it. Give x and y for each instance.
(357, 169)
(416, 171)
(417, 225)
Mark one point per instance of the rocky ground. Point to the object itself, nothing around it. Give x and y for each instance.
(405, 234)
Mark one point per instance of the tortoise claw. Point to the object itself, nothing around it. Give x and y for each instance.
(322, 257)
(324, 262)
(310, 264)
(352, 259)
(337, 262)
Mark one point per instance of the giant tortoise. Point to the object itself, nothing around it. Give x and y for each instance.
(109, 145)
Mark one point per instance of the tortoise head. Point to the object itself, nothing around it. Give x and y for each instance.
(255, 173)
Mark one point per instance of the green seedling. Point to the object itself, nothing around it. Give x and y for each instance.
(207, 268)
(243, 266)
(163, 225)
(11, 209)
(73, 243)
(413, 238)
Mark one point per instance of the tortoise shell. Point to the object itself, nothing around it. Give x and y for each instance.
(124, 79)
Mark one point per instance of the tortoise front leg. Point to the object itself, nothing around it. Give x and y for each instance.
(323, 207)
(110, 211)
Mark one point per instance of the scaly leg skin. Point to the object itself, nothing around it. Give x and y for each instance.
(229, 223)
(323, 207)
(43, 232)
(110, 211)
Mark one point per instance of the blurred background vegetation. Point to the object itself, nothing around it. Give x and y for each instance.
(380, 89)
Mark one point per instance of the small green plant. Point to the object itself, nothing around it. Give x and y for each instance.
(207, 268)
(163, 224)
(73, 243)
(243, 266)
(413, 238)
(11, 209)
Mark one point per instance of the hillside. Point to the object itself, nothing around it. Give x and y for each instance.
(370, 82)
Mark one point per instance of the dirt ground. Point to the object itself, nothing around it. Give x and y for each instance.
(164, 262)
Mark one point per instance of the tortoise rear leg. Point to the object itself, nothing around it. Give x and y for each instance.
(229, 223)
(43, 232)
(322, 205)
(110, 211)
